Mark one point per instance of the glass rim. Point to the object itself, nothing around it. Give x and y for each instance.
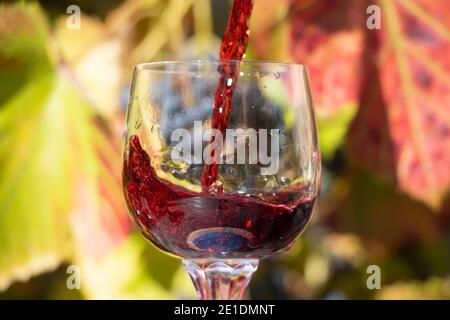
(153, 65)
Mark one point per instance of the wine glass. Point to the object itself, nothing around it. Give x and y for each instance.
(264, 164)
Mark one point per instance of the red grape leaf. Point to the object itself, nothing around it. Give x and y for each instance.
(318, 37)
(414, 73)
(327, 37)
(400, 77)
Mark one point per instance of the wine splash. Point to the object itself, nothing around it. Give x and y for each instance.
(201, 225)
(233, 47)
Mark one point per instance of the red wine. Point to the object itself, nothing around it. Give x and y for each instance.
(200, 225)
(213, 224)
(234, 44)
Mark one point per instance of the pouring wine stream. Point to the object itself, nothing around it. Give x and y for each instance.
(233, 47)
(220, 280)
(221, 235)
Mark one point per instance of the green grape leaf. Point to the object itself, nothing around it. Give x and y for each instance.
(54, 159)
(60, 162)
(121, 274)
(333, 129)
(34, 184)
(33, 235)
(23, 47)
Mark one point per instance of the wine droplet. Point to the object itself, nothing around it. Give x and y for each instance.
(215, 187)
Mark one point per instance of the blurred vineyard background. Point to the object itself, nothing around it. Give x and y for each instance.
(383, 107)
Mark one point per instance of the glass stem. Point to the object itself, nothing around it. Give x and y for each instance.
(220, 279)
